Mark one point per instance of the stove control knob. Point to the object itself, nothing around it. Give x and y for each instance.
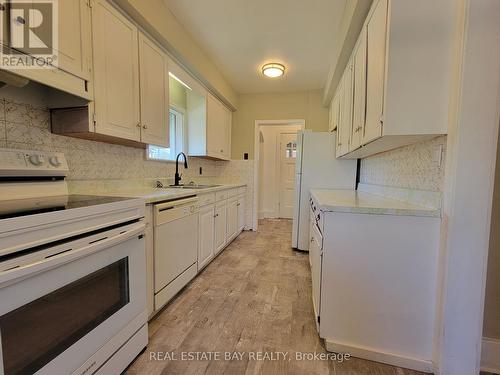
(36, 160)
(54, 161)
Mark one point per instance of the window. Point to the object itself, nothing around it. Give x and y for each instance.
(177, 138)
(291, 150)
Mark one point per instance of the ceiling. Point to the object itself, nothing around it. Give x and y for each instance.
(242, 35)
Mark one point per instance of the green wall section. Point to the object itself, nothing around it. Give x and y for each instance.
(305, 105)
(177, 94)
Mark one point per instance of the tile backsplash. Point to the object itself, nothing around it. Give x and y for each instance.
(27, 126)
(96, 166)
(416, 167)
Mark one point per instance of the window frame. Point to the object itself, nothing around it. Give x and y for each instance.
(179, 111)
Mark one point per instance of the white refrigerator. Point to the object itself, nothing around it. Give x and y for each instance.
(316, 168)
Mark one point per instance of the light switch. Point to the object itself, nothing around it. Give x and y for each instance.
(438, 155)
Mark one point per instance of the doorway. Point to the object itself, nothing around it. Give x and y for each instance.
(275, 155)
(490, 356)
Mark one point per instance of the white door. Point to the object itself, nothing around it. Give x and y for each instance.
(154, 93)
(220, 226)
(206, 234)
(287, 159)
(116, 73)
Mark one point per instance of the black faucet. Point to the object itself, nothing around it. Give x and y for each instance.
(177, 175)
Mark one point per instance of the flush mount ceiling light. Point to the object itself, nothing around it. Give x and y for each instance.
(273, 70)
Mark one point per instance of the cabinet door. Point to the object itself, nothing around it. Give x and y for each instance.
(332, 125)
(215, 122)
(220, 226)
(232, 218)
(359, 103)
(116, 73)
(75, 44)
(315, 255)
(375, 75)
(206, 235)
(241, 213)
(218, 131)
(226, 147)
(345, 122)
(154, 93)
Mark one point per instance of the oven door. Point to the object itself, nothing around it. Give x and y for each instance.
(58, 311)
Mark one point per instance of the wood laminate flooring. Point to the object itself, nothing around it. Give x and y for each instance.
(254, 297)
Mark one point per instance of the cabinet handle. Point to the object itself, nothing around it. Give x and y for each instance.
(139, 125)
(21, 20)
(221, 151)
(144, 126)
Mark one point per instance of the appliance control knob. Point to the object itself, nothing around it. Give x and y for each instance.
(54, 161)
(36, 160)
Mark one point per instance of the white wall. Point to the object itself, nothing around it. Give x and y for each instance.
(471, 149)
(268, 168)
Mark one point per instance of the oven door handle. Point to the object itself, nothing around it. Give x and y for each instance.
(14, 275)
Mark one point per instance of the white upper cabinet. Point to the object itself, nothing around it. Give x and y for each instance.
(334, 113)
(218, 129)
(74, 61)
(359, 97)
(209, 127)
(376, 31)
(401, 77)
(116, 73)
(153, 93)
(344, 128)
(75, 45)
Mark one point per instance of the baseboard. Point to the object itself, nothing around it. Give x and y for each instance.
(490, 355)
(382, 357)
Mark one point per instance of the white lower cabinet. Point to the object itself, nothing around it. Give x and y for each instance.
(232, 218)
(241, 213)
(220, 226)
(374, 285)
(206, 248)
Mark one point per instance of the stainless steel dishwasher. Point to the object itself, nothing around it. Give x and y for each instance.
(175, 247)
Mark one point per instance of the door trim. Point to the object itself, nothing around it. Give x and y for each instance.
(257, 127)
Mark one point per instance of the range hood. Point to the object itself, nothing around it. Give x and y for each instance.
(11, 79)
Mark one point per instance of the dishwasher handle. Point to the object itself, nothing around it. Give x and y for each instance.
(170, 211)
(175, 204)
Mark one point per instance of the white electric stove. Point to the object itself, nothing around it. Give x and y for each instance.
(72, 272)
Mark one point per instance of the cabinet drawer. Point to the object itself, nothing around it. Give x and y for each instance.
(221, 195)
(206, 199)
(242, 190)
(232, 193)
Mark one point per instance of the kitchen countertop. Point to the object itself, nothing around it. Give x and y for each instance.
(155, 195)
(352, 201)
